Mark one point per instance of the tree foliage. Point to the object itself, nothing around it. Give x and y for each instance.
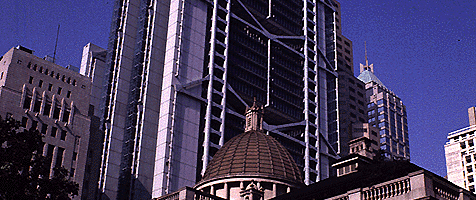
(24, 171)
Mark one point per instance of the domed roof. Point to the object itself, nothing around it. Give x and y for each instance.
(253, 154)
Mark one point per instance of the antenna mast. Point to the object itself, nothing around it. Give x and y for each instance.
(366, 61)
(56, 44)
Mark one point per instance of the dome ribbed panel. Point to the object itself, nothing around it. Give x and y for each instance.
(253, 153)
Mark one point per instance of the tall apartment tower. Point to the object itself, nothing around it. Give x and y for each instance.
(181, 73)
(460, 154)
(55, 101)
(385, 111)
(351, 93)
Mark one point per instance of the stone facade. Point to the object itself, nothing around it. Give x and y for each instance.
(52, 99)
(460, 154)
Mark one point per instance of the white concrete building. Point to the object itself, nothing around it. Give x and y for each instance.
(460, 154)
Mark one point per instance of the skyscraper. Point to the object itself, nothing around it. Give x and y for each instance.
(181, 73)
(386, 111)
(351, 93)
(460, 155)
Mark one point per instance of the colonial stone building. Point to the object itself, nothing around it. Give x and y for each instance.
(55, 101)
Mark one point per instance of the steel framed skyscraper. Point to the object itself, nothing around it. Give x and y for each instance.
(182, 72)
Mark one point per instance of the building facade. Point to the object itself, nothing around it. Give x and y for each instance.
(93, 66)
(180, 73)
(386, 111)
(351, 91)
(460, 155)
(55, 101)
(399, 180)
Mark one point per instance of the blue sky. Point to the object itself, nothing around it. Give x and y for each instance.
(424, 51)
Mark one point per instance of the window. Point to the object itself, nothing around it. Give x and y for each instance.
(31, 80)
(59, 157)
(383, 131)
(371, 119)
(471, 188)
(470, 179)
(49, 154)
(44, 127)
(34, 124)
(56, 112)
(59, 90)
(24, 121)
(53, 131)
(27, 103)
(468, 159)
(469, 168)
(46, 110)
(63, 135)
(463, 145)
(66, 115)
(75, 156)
(381, 109)
(71, 172)
(381, 101)
(381, 117)
(470, 143)
(37, 106)
(382, 124)
(40, 83)
(371, 112)
(68, 95)
(50, 87)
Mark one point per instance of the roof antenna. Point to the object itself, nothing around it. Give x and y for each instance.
(56, 44)
(366, 61)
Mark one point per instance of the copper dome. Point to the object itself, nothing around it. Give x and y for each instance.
(253, 154)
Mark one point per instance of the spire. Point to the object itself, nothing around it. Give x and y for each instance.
(254, 117)
(366, 61)
(366, 67)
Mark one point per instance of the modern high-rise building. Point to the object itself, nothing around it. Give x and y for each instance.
(351, 92)
(55, 101)
(93, 66)
(386, 111)
(181, 73)
(460, 155)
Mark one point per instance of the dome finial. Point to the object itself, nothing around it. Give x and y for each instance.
(254, 117)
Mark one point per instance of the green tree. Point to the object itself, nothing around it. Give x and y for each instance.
(24, 171)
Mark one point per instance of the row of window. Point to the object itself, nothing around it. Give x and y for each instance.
(463, 143)
(59, 157)
(43, 128)
(48, 109)
(50, 87)
(46, 71)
